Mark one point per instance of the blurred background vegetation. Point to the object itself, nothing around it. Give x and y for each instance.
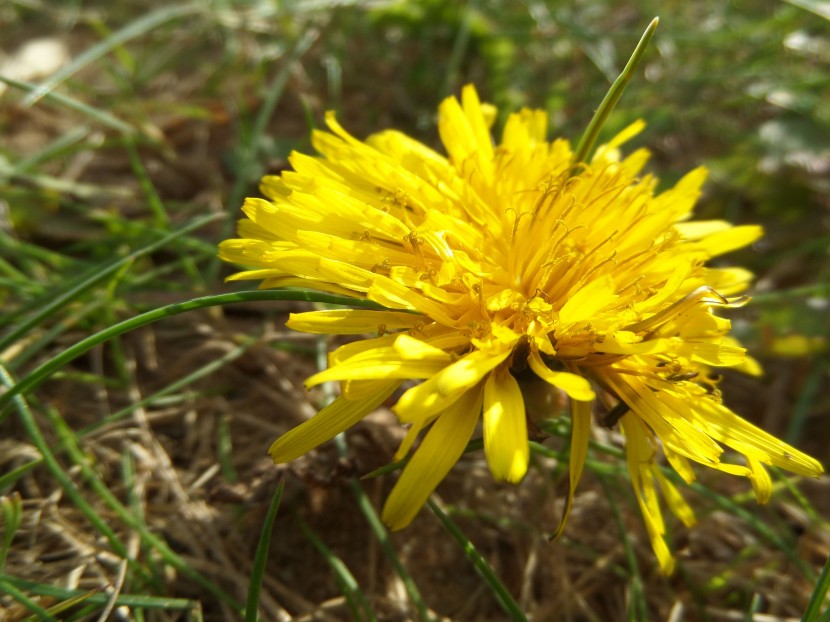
(121, 123)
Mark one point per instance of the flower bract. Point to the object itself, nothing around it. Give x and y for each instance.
(501, 262)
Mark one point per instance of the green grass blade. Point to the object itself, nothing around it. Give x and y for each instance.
(379, 531)
(75, 496)
(806, 399)
(102, 117)
(819, 597)
(561, 429)
(261, 556)
(224, 449)
(126, 516)
(60, 144)
(79, 458)
(786, 295)
(58, 185)
(382, 536)
(52, 365)
(356, 600)
(161, 220)
(460, 44)
(475, 444)
(36, 346)
(7, 588)
(138, 229)
(190, 378)
(91, 54)
(789, 482)
(98, 275)
(14, 247)
(69, 603)
(63, 480)
(814, 6)
(13, 278)
(247, 150)
(12, 507)
(751, 519)
(638, 608)
(9, 478)
(504, 598)
(127, 600)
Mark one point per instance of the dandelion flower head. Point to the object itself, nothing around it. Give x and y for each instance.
(502, 261)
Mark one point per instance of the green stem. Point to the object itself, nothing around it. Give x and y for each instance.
(613, 95)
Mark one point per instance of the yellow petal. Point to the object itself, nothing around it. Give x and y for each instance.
(407, 150)
(439, 451)
(577, 387)
(730, 429)
(348, 350)
(639, 457)
(358, 389)
(477, 120)
(627, 133)
(587, 301)
(505, 427)
(407, 357)
(432, 335)
(625, 342)
(394, 295)
(761, 482)
(665, 415)
(525, 128)
(677, 504)
(352, 321)
(445, 387)
(464, 131)
(411, 434)
(580, 438)
(680, 464)
(751, 366)
(733, 469)
(244, 252)
(704, 294)
(731, 239)
(720, 355)
(414, 349)
(250, 275)
(729, 281)
(338, 416)
(306, 283)
(382, 363)
(694, 230)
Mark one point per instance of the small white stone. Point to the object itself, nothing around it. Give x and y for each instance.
(33, 60)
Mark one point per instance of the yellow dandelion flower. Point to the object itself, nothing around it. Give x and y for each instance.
(501, 260)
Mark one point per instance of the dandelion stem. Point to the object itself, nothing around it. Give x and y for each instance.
(613, 95)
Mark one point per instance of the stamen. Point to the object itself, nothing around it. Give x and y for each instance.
(610, 259)
(705, 295)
